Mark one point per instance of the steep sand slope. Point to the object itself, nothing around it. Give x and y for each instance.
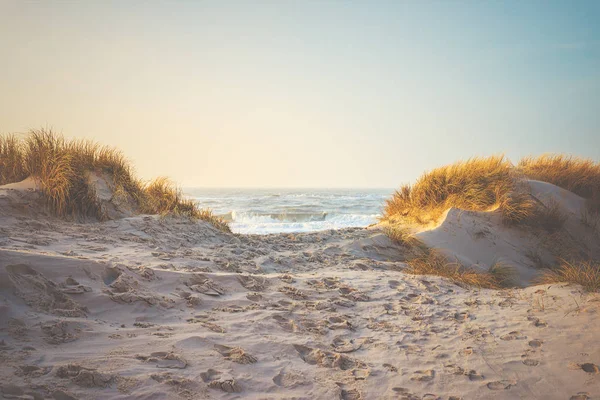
(151, 308)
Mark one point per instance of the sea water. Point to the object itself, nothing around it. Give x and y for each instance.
(263, 211)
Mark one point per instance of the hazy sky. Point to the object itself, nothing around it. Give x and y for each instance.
(305, 93)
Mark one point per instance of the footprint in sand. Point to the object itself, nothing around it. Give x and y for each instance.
(475, 376)
(350, 394)
(537, 322)
(580, 396)
(535, 343)
(344, 303)
(213, 379)
(42, 294)
(293, 293)
(85, 377)
(530, 362)
(337, 322)
(501, 385)
(342, 344)
(212, 327)
(431, 287)
(253, 283)
(71, 286)
(320, 306)
(58, 332)
(514, 335)
(287, 278)
(210, 375)
(328, 359)
(405, 393)
(235, 354)
(589, 368)
(467, 351)
(353, 294)
(164, 359)
(423, 376)
(288, 325)
(393, 284)
(32, 371)
(227, 385)
(256, 297)
(461, 316)
(289, 379)
(456, 370)
(319, 327)
(202, 284)
(506, 303)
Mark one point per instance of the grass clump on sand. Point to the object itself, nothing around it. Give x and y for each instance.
(586, 274)
(478, 184)
(163, 197)
(578, 175)
(65, 170)
(483, 184)
(12, 167)
(434, 263)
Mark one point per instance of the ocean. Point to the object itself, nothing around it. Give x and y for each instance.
(264, 211)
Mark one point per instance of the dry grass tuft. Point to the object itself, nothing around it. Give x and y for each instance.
(586, 274)
(12, 167)
(162, 197)
(478, 184)
(402, 235)
(63, 170)
(518, 207)
(434, 263)
(578, 175)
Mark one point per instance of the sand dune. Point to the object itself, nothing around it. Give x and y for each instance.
(479, 239)
(150, 308)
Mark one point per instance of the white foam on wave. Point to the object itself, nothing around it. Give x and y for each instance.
(264, 211)
(263, 225)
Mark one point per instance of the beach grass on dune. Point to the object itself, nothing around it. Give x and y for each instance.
(12, 166)
(62, 168)
(586, 274)
(431, 262)
(578, 175)
(478, 184)
(486, 184)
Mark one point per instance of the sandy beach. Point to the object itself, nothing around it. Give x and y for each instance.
(150, 307)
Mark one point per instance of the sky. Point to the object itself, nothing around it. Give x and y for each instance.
(305, 94)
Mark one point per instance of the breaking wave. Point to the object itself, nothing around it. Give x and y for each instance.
(264, 211)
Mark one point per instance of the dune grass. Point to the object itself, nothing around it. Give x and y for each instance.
(586, 274)
(478, 184)
(12, 167)
(403, 236)
(486, 184)
(432, 262)
(482, 184)
(63, 170)
(578, 175)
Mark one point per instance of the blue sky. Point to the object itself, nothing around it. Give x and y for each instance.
(305, 94)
